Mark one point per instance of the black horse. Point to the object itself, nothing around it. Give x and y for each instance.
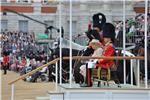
(65, 64)
(120, 68)
(140, 51)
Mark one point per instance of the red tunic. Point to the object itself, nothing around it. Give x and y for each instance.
(108, 51)
(5, 60)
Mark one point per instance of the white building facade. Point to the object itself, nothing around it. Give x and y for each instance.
(82, 15)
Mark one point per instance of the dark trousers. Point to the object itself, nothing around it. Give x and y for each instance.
(5, 67)
(88, 77)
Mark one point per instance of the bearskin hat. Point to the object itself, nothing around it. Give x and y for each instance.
(99, 20)
(109, 31)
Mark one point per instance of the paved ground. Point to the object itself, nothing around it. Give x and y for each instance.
(23, 90)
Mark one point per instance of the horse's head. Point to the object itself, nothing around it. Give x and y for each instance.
(138, 50)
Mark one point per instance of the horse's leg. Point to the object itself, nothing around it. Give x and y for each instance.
(120, 72)
(78, 77)
(50, 71)
(148, 56)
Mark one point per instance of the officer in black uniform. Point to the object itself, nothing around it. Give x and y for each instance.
(99, 20)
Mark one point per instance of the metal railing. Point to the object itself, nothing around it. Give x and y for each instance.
(79, 58)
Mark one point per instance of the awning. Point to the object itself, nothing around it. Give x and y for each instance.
(42, 36)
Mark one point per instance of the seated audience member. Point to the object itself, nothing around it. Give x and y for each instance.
(23, 63)
(96, 46)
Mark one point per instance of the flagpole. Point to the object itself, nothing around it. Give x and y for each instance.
(124, 39)
(70, 77)
(145, 32)
(60, 39)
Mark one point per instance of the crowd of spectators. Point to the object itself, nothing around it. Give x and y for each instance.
(22, 50)
(134, 28)
(17, 43)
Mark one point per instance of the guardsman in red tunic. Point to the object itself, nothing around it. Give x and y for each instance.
(108, 49)
(5, 62)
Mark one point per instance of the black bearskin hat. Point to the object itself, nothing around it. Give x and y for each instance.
(6, 53)
(109, 31)
(99, 20)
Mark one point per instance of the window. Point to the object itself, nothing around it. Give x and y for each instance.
(23, 25)
(23, 1)
(74, 27)
(12, 0)
(46, 1)
(3, 1)
(49, 23)
(4, 25)
(37, 0)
